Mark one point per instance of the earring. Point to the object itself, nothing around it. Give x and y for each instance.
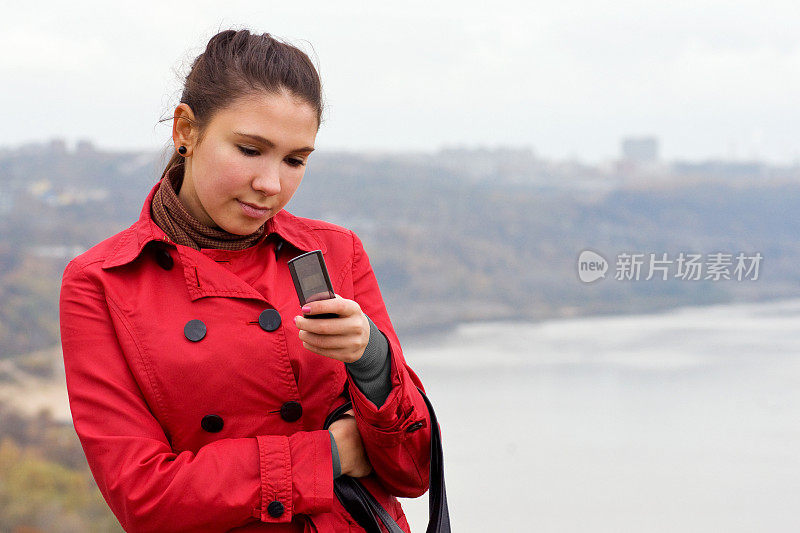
(182, 150)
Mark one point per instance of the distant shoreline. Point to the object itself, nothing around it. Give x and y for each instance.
(435, 333)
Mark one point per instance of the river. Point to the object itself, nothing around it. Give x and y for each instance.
(682, 421)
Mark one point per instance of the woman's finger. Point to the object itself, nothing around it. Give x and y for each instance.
(338, 305)
(351, 325)
(332, 342)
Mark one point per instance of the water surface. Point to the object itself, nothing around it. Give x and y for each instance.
(681, 421)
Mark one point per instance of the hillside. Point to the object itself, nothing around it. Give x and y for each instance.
(454, 236)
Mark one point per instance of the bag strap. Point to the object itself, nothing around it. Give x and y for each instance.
(438, 513)
(366, 510)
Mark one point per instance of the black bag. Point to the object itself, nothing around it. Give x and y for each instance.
(366, 510)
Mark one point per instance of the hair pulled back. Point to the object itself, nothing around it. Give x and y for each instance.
(237, 63)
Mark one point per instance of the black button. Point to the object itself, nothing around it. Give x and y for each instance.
(291, 411)
(275, 509)
(194, 330)
(163, 258)
(269, 320)
(415, 426)
(212, 423)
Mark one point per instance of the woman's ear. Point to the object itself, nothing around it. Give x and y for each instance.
(184, 131)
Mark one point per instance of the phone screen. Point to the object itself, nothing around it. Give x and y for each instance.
(310, 275)
(312, 281)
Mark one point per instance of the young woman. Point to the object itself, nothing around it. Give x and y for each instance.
(197, 384)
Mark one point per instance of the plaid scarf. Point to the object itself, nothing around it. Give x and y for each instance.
(183, 228)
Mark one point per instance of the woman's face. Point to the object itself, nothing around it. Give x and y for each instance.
(253, 153)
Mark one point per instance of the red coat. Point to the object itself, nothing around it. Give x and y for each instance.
(218, 428)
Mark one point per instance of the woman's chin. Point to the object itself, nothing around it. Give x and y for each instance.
(247, 228)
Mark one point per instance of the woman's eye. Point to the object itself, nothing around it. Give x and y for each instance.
(247, 151)
(296, 162)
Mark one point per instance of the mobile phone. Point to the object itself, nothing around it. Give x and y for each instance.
(311, 280)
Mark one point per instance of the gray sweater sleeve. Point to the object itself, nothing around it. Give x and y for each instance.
(371, 374)
(337, 467)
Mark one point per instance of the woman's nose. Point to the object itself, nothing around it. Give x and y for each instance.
(268, 181)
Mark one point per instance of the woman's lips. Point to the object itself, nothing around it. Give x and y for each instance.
(253, 211)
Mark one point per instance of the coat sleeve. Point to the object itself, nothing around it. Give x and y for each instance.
(397, 435)
(148, 486)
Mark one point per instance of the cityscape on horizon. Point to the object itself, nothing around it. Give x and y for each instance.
(642, 150)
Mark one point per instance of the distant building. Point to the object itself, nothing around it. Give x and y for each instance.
(84, 146)
(640, 149)
(722, 169)
(481, 161)
(57, 145)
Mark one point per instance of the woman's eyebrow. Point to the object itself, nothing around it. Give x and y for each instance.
(269, 143)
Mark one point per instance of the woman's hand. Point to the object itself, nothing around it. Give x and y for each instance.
(343, 338)
(352, 457)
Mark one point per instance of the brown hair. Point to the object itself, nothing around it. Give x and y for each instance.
(237, 63)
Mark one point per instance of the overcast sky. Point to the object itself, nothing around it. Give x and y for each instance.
(568, 78)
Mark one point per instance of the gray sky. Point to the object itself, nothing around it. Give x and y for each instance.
(568, 78)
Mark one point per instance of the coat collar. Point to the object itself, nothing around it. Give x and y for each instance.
(134, 239)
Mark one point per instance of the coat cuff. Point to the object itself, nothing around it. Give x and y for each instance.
(296, 475)
(391, 423)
